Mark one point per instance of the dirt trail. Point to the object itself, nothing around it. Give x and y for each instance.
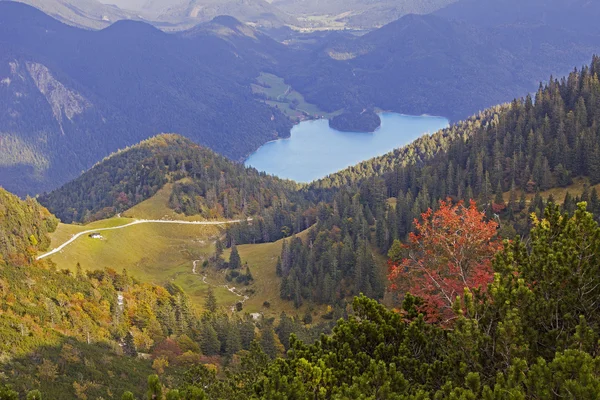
(232, 289)
(137, 222)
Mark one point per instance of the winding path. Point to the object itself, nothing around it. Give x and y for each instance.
(231, 289)
(137, 222)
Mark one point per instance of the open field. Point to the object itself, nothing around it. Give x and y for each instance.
(285, 98)
(575, 189)
(157, 207)
(152, 252)
(262, 259)
(164, 253)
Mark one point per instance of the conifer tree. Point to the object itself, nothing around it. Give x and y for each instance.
(210, 303)
(129, 345)
(209, 341)
(233, 344)
(128, 396)
(235, 261)
(267, 341)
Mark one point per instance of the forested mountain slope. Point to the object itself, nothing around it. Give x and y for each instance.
(532, 143)
(442, 65)
(71, 334)
(24, 228)
(527, 146)
(527, 327)
(572, 15)
(89, 14)
(70, 97)
(206, 183)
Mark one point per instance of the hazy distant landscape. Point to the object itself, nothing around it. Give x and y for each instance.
(219, 83)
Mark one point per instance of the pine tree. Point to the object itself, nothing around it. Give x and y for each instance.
(247, 332)
(210, 303)
(34, 395)
(380, 233)
(235, 261)
(285, 329)
(233, 344)
(267, 341)
(127, 396)
(209, 342)
(173, 395)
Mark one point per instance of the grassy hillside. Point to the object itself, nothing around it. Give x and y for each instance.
(262, 259)
(282, 96)
(157, 207)
(154, 253)
(576, 189)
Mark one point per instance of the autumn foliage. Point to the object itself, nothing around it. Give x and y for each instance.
(451, 250)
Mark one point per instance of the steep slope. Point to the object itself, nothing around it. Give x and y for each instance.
(70, 97)
(75, 324)
(24, 228)
(572, 15)
(435, 65)
(206, 184)
(527, 146)
(90, 14)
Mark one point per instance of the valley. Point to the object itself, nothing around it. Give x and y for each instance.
(306, 229)
(157, 253)
(173, 252)
(231, 87)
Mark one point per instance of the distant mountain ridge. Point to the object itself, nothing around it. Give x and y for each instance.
(70, 97)
(81, 13)
(259, 12)
(469, 66)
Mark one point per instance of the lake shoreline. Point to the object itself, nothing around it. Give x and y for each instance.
(315, 150)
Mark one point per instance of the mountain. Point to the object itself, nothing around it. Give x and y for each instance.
(438, 65)
(522, 148)
(206, 183)
(24, 228)
(70, 97)
(505, 159)
(571, 15)
(90, 14)
(259, 12)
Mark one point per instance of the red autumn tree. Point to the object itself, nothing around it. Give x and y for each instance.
(451, 250)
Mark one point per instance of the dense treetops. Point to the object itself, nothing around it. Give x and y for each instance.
(99, 333)
(24, 228)
(356, 120)
(532, 334)
(205, 183)
(526, 146)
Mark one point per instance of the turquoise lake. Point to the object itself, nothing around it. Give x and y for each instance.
(315, 150)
